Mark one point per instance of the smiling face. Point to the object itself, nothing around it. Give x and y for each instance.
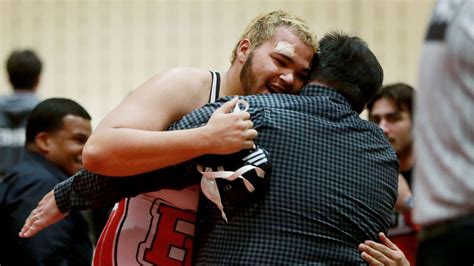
(64, 146)
(280, 65)
(395, 123)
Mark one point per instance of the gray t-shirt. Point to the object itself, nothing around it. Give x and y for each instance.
(444, 128)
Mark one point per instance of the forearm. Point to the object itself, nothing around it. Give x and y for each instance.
(88, 190)
(124, 151)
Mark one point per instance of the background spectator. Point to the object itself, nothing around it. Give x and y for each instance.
(24, 71)
(392, 110)
(56, 132)
(444, 131)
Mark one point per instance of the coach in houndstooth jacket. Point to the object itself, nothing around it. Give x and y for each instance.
(334, 175)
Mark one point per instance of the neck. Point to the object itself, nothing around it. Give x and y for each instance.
(406, 159)
(230, 82)
(31, 147)
(318, 83)
(24, 90)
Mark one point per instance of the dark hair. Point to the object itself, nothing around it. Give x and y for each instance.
(24, 69)
(48, 116)
(347, 65)
(401, 94)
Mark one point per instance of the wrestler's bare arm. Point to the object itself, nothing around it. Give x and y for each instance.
(132, 138)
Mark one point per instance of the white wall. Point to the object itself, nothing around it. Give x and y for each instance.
(96, 52)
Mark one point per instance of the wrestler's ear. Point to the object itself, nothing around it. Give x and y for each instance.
(243, 50)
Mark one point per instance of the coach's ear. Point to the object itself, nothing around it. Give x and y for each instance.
(243, 50)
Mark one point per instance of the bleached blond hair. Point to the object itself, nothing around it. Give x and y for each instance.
(263, 27)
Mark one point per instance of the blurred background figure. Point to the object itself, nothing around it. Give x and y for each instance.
(392, 110)
(56, 132)
(444, 131)
(24, 71)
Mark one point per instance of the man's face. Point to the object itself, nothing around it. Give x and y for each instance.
(65, 145)
(281, 64)
(395, 123)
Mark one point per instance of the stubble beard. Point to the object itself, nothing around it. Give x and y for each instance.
(247, 77)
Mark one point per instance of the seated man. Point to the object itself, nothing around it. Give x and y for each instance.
(334, 175)
(56, 132)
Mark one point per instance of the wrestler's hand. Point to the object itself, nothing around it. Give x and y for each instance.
(384, 253)
(43, 215)
(228, 132)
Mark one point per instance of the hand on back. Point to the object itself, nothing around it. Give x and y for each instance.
(228, 132)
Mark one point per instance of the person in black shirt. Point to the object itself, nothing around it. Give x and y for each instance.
(392, 110)
(56, 132)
